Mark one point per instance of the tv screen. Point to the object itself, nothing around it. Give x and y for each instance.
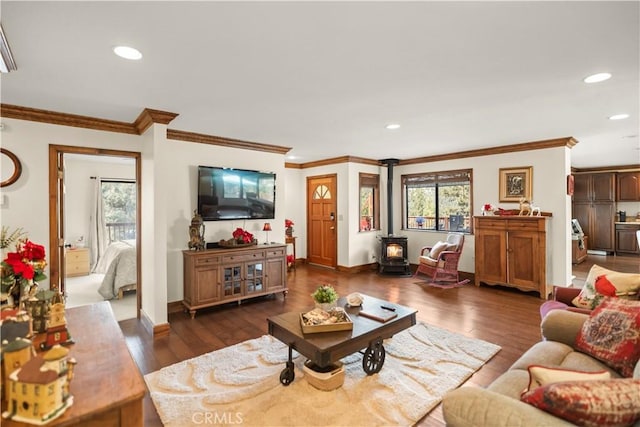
(225, 194)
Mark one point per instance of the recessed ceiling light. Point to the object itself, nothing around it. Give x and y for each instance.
(597, 78)
(619, 117)
(392, 126)
(127, 52)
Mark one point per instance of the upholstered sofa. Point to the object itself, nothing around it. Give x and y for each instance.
(500, 405)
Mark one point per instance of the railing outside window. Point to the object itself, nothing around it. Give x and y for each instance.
(121, 231)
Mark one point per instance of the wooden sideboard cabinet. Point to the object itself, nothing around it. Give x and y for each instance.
(626, 241)
(76, 262)
(511, 251)
(219, 276)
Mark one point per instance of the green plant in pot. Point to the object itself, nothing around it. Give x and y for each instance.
(325, 297)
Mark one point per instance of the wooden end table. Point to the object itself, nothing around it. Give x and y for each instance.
(326, 348)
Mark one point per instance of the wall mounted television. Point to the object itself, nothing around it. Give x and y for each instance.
(228, 194)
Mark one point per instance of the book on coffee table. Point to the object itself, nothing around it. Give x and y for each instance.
(378, 313)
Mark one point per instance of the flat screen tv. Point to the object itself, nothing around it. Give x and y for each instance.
(227, 194)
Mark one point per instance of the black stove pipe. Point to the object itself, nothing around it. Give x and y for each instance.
(390, 163)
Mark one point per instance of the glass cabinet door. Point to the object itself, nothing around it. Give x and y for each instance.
(255, 278)
(232, 281)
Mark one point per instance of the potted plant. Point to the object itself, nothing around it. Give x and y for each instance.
(325, 297)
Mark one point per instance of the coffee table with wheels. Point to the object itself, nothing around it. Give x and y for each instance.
(326, 348)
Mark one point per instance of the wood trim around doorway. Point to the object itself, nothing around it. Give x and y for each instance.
(54, 219)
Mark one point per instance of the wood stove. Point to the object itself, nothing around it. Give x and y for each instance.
(393, 255)
(393, 249)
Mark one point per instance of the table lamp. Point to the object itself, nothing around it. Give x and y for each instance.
(267, 228)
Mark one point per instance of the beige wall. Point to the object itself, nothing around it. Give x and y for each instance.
(169, 171)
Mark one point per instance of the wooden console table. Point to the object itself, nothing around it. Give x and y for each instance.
(219, 276)
(107, 387)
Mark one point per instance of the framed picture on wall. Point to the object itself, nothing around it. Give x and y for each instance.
(516, 183)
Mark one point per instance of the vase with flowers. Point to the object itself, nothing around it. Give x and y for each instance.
(288, 227)
(325, 297)
(239, 237)
(22, 269)
(488, 209)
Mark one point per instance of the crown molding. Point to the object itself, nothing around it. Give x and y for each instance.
(622, 168)
(333, 161)
(148, 117)
(569, 142)
(64, 119)
(181, 135)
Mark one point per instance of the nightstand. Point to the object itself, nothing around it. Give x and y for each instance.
(76, 262)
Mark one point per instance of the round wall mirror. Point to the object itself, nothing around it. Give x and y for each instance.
(10, 168)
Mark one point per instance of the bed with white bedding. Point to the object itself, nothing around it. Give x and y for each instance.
(118, 264)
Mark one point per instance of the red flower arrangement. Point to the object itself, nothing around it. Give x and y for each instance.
(288, 223)
(242, 236)
(23, 267)
(28, 262)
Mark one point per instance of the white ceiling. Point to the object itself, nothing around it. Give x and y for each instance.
(326, 77)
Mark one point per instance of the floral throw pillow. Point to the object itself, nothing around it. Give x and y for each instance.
(611, 403)
(612, 334)
(602, 282)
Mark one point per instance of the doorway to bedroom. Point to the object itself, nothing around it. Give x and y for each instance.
(97, 221)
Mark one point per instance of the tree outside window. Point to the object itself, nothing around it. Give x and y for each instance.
(119, 208)
(369, 218)
(119, 201)
(438, 201)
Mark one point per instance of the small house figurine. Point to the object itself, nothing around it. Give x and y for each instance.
(57, 332)
(14, 355)
(14, 324)
(38, 306)
(38, 392)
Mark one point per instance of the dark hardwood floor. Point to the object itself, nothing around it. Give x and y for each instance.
(500, 315)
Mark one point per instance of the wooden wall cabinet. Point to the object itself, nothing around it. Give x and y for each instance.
(628, 188)
(594, 207)
(626, 241)
(219, 276)
(511, 251)
(76, 262)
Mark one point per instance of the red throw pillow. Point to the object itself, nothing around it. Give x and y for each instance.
(611, 403)
(612, 334)
(605, 287)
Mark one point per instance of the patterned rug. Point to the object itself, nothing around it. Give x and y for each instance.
(240, 384)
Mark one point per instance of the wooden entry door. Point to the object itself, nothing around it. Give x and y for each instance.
(321, 220)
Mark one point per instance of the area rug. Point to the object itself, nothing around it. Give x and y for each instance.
(444, 285)
(240, 384)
